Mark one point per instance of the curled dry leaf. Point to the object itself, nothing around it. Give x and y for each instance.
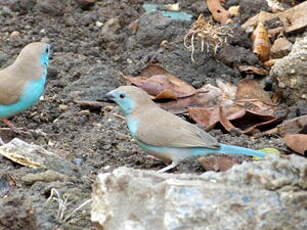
(253, 70)
(160, 83)
(261, 42)
(297, 142)
(218, 12)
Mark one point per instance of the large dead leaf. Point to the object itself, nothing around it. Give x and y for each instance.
(297, 142)
(160, 83)
(244, 107)
(261, 42)
(207, 117)
(218, 12)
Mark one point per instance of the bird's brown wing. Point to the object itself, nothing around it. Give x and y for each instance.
(161, 128)
(10, 88)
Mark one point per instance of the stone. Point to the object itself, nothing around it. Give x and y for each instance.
(281, 47)
(51, 7)
(290, 72)
(35, 156)
(46, 176)
(264, 194)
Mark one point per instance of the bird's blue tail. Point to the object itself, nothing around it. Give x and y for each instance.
(232, 149)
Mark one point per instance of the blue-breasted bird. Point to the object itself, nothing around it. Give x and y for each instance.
(23, 82)
(163, 134)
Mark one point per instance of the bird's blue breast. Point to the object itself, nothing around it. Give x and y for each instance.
(31, 93)
(133, 126)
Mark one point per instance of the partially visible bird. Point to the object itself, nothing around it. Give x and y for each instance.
(163, 134)
(23, 82)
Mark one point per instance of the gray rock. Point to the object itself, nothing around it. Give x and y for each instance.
(51, 7)
(266, 194)
(290, 72)
(35, 156)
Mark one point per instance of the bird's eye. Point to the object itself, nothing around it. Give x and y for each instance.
(122, 95)
(47, 49)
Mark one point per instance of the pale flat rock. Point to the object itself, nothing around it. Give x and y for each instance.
(293, 19)
(291, 72)
(35, 156)
(266, 194)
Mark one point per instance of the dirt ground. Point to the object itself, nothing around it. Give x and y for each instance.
(85, 64)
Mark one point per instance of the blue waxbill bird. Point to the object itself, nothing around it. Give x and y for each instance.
(23, 82)
(163, 134)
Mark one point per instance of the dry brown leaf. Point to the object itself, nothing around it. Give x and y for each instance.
(204, 96)
(158, 82)
(297, 142)
(253, 70)
(261, 42)
(207, 117)
(218, 12)
(218, 163)
(270, 62)
(296, 125)
(250, 89)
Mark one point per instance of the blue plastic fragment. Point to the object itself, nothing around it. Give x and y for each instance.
(173, 15)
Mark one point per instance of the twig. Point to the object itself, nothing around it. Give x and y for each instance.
(77, 209)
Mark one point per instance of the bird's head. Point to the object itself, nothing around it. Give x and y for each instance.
(38, 51)
(130, 98)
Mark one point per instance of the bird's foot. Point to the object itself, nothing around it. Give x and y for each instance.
(171, 166)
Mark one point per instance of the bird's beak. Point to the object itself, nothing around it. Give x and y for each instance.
(110, 95)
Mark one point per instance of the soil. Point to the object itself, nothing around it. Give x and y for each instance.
(86, 63)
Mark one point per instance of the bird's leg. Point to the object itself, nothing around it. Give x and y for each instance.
(21, 130)
(8, 123)
(12, 127)
(171, 166)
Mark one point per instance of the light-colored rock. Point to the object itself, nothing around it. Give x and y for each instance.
(35, 156)
(291, 72)
(266, 194)
(281, 47)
